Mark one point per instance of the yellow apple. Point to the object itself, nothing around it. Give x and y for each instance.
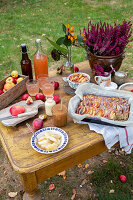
(19, 79)
(14, 74)
(7, 86)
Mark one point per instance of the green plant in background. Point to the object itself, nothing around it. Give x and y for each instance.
(68, 40)
(25, 21)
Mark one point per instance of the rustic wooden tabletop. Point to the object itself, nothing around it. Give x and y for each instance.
(34, 167)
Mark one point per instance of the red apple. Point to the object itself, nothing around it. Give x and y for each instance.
(56, 98)
(40, 96)
(56, 85)
(29, 100)
(122, 178)
(15, 79)
(37, 123)
(1, 92)
(25, 96)
(76, 69)
(60, 70)
(17, 109)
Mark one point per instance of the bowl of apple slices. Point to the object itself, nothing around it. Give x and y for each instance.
(76, 79)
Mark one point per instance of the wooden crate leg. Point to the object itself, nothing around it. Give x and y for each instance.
(29, 182)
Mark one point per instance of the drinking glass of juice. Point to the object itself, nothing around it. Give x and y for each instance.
(32, 87)
(48, 90)
(42, 79)
(59, 115)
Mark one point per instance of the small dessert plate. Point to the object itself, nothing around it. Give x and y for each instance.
(41, 132)
(112, 86)
(127, 86)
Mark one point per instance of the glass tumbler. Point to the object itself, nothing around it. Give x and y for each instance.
(32, 87)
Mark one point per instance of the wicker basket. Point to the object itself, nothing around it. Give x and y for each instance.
(7, 97)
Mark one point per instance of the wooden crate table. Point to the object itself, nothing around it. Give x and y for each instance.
(34, 167)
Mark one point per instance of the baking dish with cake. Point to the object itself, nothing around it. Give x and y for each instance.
(93, 102)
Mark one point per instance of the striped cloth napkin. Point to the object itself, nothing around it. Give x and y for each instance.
(112, 135)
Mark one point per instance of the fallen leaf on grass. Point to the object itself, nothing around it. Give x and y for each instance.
(74, 194)
(79, 165)
(111, 191)
(74, 191)
(63, 174)
(51, 187)
(12, 194)
(90, 172)
(105, 161)
(84, 182)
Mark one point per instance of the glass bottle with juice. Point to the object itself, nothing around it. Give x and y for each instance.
(40, 60)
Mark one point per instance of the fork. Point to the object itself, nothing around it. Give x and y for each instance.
(31, 130)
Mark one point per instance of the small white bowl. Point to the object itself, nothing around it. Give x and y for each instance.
(73, 84)
(125, 85)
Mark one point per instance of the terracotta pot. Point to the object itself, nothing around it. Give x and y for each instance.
(106, 61)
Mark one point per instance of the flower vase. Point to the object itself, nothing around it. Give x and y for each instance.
(68, 66)
(106, 61)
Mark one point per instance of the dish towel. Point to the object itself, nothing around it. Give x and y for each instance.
(113, 135)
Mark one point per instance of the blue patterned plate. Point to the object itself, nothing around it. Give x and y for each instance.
(39, 133)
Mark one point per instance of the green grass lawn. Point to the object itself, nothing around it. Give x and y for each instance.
(24, 21)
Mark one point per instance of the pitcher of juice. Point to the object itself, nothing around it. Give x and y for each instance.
(40, 60)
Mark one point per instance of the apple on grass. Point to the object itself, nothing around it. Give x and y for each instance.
(122, 178)
(17, 109)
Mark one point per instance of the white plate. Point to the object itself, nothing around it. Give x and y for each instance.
(39, 133)
(112, 86)
(124, 85)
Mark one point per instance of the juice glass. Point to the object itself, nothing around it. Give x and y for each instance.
(42, 79)
(40, 64)
(48, 89)
(59, 115)
(32, 87)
